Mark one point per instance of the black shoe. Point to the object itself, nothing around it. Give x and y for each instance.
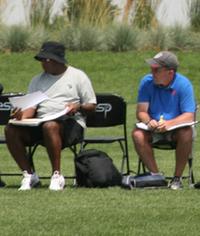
(197, 185)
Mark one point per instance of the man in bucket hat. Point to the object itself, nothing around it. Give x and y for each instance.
(52, 50)
(65, 86)
(165, 99)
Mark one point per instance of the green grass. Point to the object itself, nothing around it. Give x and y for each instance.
(111, 211)
(109, 72)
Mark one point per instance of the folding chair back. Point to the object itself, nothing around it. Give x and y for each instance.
(5, 108)
(110, 112)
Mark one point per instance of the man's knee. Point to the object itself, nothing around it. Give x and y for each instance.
(10, 131)
(15, 134)
(185, 135)
(139, 136)
(50, 126)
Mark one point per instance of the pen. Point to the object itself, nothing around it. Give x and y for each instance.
(13, 112)
(161, 119)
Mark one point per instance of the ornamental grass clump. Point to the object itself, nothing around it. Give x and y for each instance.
(121, 38)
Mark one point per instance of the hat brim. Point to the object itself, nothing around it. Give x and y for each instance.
(153, 63)
(45, 55)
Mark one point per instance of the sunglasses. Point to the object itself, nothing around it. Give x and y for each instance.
(158, 69)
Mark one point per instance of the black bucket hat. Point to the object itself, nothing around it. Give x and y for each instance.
(52, 50)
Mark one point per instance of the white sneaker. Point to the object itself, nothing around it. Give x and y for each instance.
(57, 182)
(29, 181)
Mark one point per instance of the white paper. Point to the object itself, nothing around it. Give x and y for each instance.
(143, 126)
(28, 100)
(182, 125)
(37, 121)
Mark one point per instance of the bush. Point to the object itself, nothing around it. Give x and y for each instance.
(194, 41)
(180, 39)
(3, 38)
(83, 38)
(15, 38)
(70, 37)
(37, 36)
(121, 38)
(195, 15)
(159, 38)
(118, 38)
(156, 39)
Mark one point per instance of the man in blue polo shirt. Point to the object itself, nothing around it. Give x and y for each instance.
(165, 99)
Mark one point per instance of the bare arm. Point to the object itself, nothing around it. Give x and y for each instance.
(183, 118)
(88, 107)
(143, 116)
(83, 108)
(142, 112)
(162, 126)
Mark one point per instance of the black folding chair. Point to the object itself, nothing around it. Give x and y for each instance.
(5, 108)
(110, 112)
(169, 145)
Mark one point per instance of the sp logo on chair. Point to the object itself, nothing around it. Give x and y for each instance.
(104, 107)
(5, 106)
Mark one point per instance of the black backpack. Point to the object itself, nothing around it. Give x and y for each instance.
(95, 168)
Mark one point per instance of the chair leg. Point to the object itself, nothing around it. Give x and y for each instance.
(2, 184)
(74, 150)
(141, 165)
(191, 175)
(125, 158)
(190, 166)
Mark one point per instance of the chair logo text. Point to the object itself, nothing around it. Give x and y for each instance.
(5, 106)
(104, 107)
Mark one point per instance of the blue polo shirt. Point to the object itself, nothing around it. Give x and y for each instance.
(169, 101)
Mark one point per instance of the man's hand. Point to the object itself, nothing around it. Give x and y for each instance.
(83, 108)
(73, 108)
(153, 124)
(162, 126)
(16, 113)
(158, 126)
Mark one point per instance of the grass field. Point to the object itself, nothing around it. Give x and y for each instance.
(111, 211)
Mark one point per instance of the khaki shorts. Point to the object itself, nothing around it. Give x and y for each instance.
(163, 140)
(166, 140)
